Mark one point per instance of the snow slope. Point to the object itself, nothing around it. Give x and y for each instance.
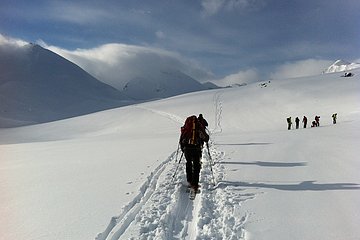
(108, 175)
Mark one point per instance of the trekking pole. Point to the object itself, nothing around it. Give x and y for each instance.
(177, 167)
(212, 172)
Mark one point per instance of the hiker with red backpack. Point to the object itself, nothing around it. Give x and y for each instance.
(193, 135)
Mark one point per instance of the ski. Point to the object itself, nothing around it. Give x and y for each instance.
(197, 191)
(192, 194)
(188, 188)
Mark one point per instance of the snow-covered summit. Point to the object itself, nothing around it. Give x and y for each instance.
(160, 85)
(341, 65)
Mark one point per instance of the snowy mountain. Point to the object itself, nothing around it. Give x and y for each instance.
(341, 65)
(161, 85)
(109, 175)
(37, 85)
(210, 85)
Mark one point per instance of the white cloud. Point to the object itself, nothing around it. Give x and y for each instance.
(244, 4)
(160, 34)
(76, 13)
(116, 64)
(247, 76)
(212, 7)
(4, 40)
(300, 68)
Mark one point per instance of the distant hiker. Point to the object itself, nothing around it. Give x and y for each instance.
(289, 122)
(313, 124)
(334, 116)
(317, 120)
(297, 121)
(204, 125)
(304, 121)
(203, 121)
(192, 137)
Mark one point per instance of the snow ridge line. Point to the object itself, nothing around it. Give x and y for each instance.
(119, 224)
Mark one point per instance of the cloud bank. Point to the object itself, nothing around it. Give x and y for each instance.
(116, 64)
(4, 40)
(241, 77)
(302, 68)
(212, 7)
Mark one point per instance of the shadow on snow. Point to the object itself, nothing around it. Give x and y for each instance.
(242, 144)
(268, 164)
(302, 186)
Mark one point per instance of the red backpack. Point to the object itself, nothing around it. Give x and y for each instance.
(192, 133)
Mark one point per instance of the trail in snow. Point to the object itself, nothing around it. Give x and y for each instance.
(163, 210)
(218, 112)
(119, 224)
(170, 116)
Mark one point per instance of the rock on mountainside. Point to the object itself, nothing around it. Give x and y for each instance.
(37, 85)
(161, 85)
(341, 65)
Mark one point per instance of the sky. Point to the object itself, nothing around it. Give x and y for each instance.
(225, 40)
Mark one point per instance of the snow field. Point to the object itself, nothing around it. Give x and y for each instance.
(111, 172)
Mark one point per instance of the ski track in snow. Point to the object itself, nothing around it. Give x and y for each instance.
(218, 112)
(162, 209)
(170, 116)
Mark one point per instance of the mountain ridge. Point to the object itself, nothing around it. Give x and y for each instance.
(37, 85)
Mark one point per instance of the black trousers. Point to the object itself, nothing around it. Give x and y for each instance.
(193, 165)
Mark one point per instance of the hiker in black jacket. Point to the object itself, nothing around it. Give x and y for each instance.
(304, 121)
(297, 122)
(192, 137)
(202, 121)
(289, 122)
(334, 117)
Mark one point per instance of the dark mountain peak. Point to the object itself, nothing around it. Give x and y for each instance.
(37, 85)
